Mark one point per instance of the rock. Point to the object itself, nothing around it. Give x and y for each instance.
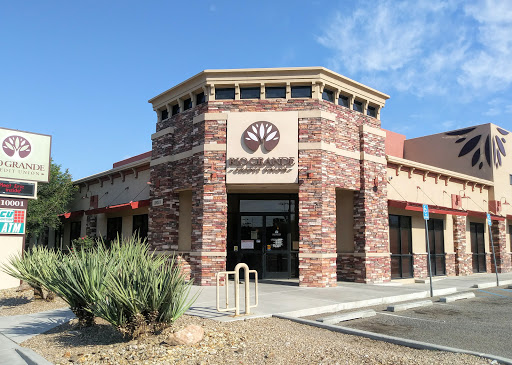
(67, 354)
(189, 335)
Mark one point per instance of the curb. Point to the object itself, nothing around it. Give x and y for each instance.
(19, 355)
(395, 340)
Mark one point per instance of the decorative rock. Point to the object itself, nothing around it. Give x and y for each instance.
(189, 335)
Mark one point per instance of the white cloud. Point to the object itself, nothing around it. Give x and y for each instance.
(425, 47)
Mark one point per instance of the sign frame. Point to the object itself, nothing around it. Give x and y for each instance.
(7, 195)
(2, 154)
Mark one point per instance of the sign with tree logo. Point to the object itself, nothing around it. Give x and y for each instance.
(24, 155)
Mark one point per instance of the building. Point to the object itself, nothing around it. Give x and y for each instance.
(289, 171)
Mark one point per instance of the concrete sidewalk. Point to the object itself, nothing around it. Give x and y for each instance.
(285, 297)
(276, 297)
(16, 329)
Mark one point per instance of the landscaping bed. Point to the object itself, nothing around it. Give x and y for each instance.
(14, 302)
(255, 341)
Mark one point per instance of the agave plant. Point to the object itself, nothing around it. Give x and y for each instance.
(35, 267)
(143, 291)
(79, 280)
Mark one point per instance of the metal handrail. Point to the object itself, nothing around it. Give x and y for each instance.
(236, 272)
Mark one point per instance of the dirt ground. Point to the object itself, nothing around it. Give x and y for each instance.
(14, 302)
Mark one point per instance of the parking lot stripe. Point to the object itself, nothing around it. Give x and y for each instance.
(418, 319)
(498, 295)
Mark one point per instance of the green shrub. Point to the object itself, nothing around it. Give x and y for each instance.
(79, 280)
(83, 243)
(144, 291)
(34, 267)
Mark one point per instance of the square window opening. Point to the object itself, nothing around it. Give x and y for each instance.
(372, 111)
(164, 114)
(200, 98)
(225, 93)
(175, 109)
(301, 91)
(275, 92)
(343, 101)
(358, 106)
(328, 95)
(250, 93)
(187, 104)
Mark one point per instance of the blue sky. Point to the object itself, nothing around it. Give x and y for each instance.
(82, 71)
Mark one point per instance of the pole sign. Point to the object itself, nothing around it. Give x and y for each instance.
(13, 216)
(425, 212)
(489, 221)
(18, 189)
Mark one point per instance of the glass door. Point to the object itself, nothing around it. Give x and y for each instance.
(436, 242)
(478, 246)
(251, 241)
(276, 258)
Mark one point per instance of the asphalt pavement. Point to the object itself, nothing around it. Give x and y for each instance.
(481, 324)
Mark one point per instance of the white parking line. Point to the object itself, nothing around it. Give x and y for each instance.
(418, 319)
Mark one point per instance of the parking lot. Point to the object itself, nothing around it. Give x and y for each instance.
(482, 324)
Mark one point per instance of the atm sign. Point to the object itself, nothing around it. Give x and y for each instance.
(12, 221)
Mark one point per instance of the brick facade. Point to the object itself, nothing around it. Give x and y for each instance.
(320, 173)
(463, 259)
(499, 236)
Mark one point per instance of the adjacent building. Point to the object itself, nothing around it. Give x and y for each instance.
(289, 171)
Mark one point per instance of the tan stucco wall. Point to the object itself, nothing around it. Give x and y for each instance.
(502, 187)
(402, 188)
(185, 221)
(441, 150)
(10, 245)
(138, 189)
(345, 221)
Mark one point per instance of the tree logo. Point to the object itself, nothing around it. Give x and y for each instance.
(260, 133)
(16, 146)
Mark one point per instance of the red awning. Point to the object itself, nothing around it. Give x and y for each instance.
(119, 207)
(69, 215)
(474, 213)
(417, 207)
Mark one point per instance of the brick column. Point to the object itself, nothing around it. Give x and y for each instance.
(163, 219)
(317, 224)
(463, 260)
(90, 225)
(420, 265)
(209, 221)
(499, 236)
(372, 259)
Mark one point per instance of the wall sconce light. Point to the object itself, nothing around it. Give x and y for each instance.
(505, 202)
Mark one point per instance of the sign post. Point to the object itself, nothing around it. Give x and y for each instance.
(489, 223)
(426, 218)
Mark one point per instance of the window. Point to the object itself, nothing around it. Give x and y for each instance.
(250, 93)
(114, 228)
(175, 109)
(200, 98)
(358, 106)
(76, 228)
(140, 225)
(187, 104)
(275, 92)
(225, 93)
(510, 179)
(328, 95)
(436, 243)
(343, 101)
(372, 111)
(301, 91)
(164, 114)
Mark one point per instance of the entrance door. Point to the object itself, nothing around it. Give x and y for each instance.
(478, 246)
(276, 258)
(436, 242)
(400, 242)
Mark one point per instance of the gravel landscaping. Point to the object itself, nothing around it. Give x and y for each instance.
(255, 341)
(14, 302)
